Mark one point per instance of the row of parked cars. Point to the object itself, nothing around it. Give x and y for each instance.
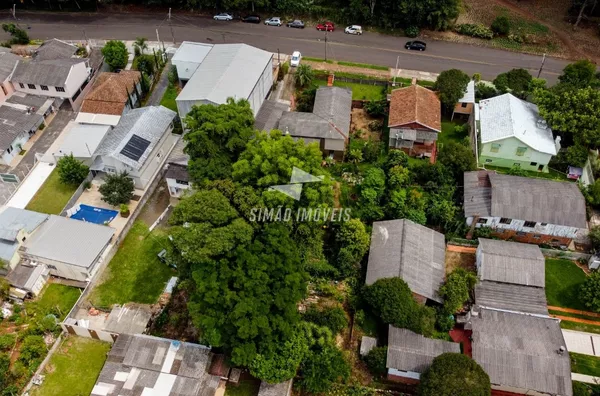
(297, 23)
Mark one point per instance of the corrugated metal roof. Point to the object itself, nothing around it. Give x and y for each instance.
(14, 121)
(269, 114)
(469, 96)
(507, 116)
(8, 61)
(511, 262)
(309, 125)
(509, 297)
(408, 250)
(521, 351)
(46, 72)
(99, 119)
(335, 105)
(193, 52)
(177, 155)
(54, 49)
(69, 241)
(14, 220)
(409, 351)
(25, 276)
(149, 123)
(228, 71)
(82, 140)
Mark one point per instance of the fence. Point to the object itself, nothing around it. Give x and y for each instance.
(77, 194)
(366, 81)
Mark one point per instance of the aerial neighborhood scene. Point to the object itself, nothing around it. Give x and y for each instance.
(310, 198)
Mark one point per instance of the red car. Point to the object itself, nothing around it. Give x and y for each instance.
(326, 26)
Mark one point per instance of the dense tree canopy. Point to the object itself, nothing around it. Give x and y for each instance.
(115, 54)
(589, 293)
(454, 374)
(580, 74)
(71, 170)
(515, 81)
(458, 158)
(451, 86)
(456, 289)
(217, 135)
(117, 189)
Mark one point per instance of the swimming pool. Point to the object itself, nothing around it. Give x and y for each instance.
(93, 214)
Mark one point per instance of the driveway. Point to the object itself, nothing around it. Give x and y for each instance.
(580, 342)
(161, 87)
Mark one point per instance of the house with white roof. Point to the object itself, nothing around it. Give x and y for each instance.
(510, 132)
(466, 104)
(237, 71)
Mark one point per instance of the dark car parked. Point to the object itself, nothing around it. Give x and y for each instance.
(297, 23)
(415, 45)
(251, 19)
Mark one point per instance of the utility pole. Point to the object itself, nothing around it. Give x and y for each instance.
(171, 27)
(395, 74)
(85, 36)
(325, 43)
(278, 58)
(157, 36)
(14, 11)
(541, 66)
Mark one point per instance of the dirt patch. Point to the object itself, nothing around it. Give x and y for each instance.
(361, 120)
(156, 205)
(175, 321)
(459, 260)
(334, 67)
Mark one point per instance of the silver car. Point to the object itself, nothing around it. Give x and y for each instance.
(223, 17)
(275, 21)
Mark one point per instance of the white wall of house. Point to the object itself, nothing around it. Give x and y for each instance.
(508, 151)
(40, 282)
(176, 189)
(77, 76)
(539, 228)
(262, 88)
(66, 270)
(13, 150)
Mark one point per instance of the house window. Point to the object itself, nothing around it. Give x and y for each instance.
(463, 105)
(184, 182)
(521, 151)
(22, 85)
(110, 169)
(31, 86)
(543, 224)
(529, 224)
(533, 163)
(495, 147)
(59, 89)
(505, 220)
(521, 233)
(44, 87)
(482, 221)
(9, 149)
(488, 161)
(51, 266)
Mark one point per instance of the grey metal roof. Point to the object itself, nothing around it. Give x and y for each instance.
(509, 297)
(24, 99)
(524, 198)
(128, 319)
(8, 61)
(511, 262)
(228, 71)
(149, 123)
(54, 49)
(177, 172)
(281, 389)
(168, 367)
(52, 72)
(521, 351)
(82, 140)
(408, 250)
(308, 125)
(408, 351)
(192, 52)
(25, 276)
(269, 114)
(335, 105)
(13, 122)
(74, 242)
(14, 220)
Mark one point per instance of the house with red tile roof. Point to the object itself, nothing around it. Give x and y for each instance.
(113, 93)
(415, 120)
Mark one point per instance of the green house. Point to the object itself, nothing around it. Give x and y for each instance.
(511, 133)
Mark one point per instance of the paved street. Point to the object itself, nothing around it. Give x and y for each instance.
(368, 48)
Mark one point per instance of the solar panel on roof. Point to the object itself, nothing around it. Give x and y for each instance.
(135, 147)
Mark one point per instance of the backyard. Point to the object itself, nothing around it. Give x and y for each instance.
(55, 298)
(244, 388)
(168, 99)
(563, 279)
(84, 354)
(134, 274)
(359, 91)
(451, 133)
(585, 364)
(52, 197)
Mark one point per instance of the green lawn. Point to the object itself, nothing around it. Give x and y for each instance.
(134, 274)
(585, 364)
(168, 99)
(563, 278)
(364, 65)
(449, 133)
(359, 91)
(245, 388)
(74, 367)
(52, 197)
(56, 299)
(587, 328)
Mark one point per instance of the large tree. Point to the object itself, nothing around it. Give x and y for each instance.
(454, 374)
(71, 170)
(458, 158)
(115, 54)
(117, 189)
(451, 86)
(216, 136)
(580, 74)
(516, 81)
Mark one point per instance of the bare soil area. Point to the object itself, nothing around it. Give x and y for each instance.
(459, 260)
(361, 121)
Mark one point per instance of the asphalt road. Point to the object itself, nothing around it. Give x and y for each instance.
(371, 48)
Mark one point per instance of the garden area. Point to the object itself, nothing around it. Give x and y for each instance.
(563, 281)
(73, 368)
(28, 333)
(585, 364)
(52, 196)
(135, 274)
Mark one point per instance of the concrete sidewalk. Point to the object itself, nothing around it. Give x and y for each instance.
(588, 379)
(581, 342)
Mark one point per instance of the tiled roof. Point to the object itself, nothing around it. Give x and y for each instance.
(415, 104)
(109, 95)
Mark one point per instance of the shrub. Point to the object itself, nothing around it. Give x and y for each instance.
(412, 31)
(476, 77)
(517, 171)
(376, 360)
(322, 368)
(485, 91)
(454, 374)
(589, 292)
(501, 25)
(285, 67)
(145, 64)
(376, 108)
(304, 75)
(594, 235)
(32, 349)
(332, 317)
(7, 342)
(376, 126)
(117, 189)
(19, 36)
(115, 54)
(306, 100)
(71, 170)
(173, 76)
(456, 289)
(444, 321)
(475, 30)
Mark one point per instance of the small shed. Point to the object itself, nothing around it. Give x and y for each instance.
(466, 104)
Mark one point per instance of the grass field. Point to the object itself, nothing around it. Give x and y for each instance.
(168, 99)
(563, 279)
(245, 388)
(584, 364)
(134, 274)
(74, 367)
(449, 133)
(359, 91)
(56, 298)
(364, 65)
(587, 328)
(52, 197)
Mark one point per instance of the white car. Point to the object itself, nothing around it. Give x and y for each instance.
(295, 61)
(223, 17)
(275, 21)
(354, 29)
